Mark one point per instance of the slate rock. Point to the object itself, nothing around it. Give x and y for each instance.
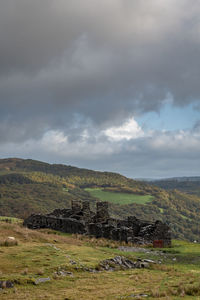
(141, 264)
(41, 280)
(64, 273)
(6, 284)
(150, 261)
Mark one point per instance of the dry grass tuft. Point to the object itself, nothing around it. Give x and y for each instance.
(40, 272)
(25, 271)
(157, 293)
(192, 289)
(101, 242)
(162, 267)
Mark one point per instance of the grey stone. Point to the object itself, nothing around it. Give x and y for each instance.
(64, 273)
(80, 219)
(138, 296)
(123, 263)
(6, 284)
(41, 280)
(132, 249)
(141, 264)
(150, 261)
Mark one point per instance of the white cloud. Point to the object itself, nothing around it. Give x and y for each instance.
(126, 149)
(127, 131)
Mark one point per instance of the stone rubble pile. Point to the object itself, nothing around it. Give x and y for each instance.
(122, 263)
(80, 219)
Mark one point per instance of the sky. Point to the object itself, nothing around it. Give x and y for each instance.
(110, 85)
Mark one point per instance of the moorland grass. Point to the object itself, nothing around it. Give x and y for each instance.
(40, 254)
(119, 198)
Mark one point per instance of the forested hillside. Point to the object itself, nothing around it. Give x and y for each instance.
(190, 185)
(28, 186)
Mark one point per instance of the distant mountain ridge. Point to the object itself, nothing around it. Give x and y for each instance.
(179, 179)
(189, 185)
(29, 186)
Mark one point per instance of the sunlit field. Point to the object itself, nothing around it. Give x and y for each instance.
(119, 198)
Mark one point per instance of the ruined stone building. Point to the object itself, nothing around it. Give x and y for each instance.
(80, 219)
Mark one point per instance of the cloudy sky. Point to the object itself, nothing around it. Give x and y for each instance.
(108, 85)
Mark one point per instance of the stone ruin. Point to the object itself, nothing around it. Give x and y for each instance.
(81, 220)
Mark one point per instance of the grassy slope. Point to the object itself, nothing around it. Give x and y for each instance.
(41, 253)
(119, 198)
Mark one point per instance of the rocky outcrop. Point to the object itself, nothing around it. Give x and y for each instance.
(122, 263)
(6, 284)
(80, 219)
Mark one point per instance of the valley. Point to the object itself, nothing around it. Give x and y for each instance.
(29, 186)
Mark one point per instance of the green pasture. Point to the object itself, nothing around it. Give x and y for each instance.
(119, 198)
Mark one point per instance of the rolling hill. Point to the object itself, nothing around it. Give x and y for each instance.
(29, 186)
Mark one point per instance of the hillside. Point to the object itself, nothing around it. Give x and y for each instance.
(45, 264)
(190, 185)
(29, 186)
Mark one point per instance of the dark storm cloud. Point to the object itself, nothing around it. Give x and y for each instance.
(102, 60)
(73, 72)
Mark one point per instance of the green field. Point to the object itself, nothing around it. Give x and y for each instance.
(119, 198)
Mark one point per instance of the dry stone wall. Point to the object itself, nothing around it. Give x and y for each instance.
(80, 219)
